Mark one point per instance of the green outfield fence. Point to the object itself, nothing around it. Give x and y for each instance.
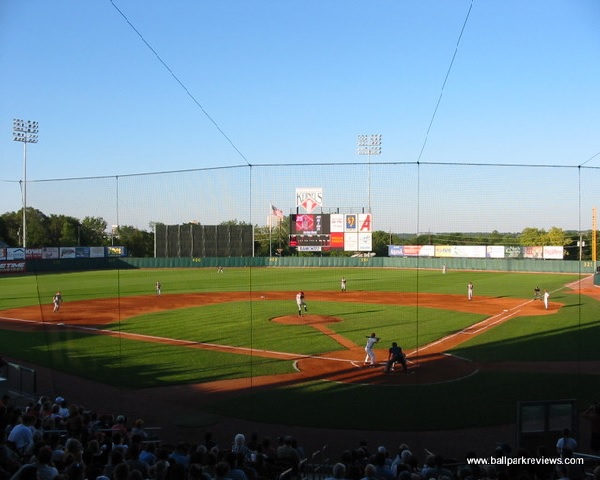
(505, 265)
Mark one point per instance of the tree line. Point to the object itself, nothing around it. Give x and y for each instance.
(66, 231)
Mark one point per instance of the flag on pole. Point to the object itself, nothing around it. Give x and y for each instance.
(276, 211)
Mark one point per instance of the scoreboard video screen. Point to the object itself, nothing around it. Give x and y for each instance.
(309, 224)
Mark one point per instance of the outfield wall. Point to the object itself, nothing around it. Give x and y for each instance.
(490, 264)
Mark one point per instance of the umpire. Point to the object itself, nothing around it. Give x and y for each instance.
(396, 355)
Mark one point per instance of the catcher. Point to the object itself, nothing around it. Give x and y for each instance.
(396, 355)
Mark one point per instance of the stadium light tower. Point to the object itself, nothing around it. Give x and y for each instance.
(25, 131)
(369, 145)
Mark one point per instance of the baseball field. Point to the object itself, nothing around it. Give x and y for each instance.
(235, 344)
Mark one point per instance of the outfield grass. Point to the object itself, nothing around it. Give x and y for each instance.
(570, 334)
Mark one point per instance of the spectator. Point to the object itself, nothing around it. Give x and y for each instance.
(26, 472)
(338, 472)
(268, 451)
(222, 471)
(180, 455)
(370, 472)
(138, 430)
(75, 471)
(434, 467)
(208, 441)
(195, 473)
(566, 444)
(159, 470)
(20, 437)
(74, 448)
(210, 467)
(133, 461)
(239, 446)
(116, 458)
(287, 454)
(117, 442)
(382, 470)
(43, 462)
(236, 463)
(120, 426)
(148, 453)
(63, 407)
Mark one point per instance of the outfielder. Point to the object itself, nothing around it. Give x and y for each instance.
(301, 303)
(370, 357)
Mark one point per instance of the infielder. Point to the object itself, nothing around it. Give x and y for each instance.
(301, 303)
(370, 357)
(343, 284)
(470, 291)
(56, 301)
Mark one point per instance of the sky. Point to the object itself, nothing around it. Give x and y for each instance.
(245, 101)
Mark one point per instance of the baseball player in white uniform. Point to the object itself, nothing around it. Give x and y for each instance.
(301, 303)
(370, 357)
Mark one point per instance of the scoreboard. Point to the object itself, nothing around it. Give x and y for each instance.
(310, 232)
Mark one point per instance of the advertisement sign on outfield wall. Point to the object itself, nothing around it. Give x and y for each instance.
(12, 267)
(556, 253)
(513, 252)
(494, 251)
(15, 253)
(50, 253)
(533, 252)
(419, 250)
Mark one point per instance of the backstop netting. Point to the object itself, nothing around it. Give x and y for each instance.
(210, 215)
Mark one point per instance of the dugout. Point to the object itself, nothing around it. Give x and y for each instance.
(542, 423)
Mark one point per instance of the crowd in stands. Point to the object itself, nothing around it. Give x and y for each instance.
(59, 440)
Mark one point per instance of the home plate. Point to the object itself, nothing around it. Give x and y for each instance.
(505, 310)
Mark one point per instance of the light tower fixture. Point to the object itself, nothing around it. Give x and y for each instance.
(369, 145)
(25, 131)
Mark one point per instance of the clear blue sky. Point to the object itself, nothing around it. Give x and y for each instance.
(284, 82)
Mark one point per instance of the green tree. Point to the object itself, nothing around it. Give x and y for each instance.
(380, 244)
(61, 231)
(11, 228)
(93, 231)
(531, 237)
(138, 242)
(556, 237)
